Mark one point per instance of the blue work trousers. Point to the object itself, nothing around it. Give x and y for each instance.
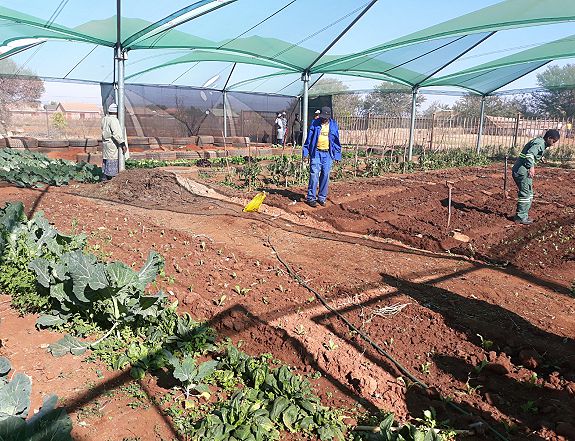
(320, 166)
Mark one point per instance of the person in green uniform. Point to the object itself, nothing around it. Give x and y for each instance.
(524, 170)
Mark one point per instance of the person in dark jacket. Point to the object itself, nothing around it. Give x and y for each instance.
(322, 146)
(524, 170)
(296, 130)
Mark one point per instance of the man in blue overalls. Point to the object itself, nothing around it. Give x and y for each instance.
(323, 147)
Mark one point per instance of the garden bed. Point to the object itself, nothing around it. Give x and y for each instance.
(497, 341)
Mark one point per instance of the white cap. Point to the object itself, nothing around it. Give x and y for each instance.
(113, 108)
(317, 112)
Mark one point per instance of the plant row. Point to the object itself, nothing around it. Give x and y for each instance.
(107, 300)
(30, 169)
(109, 316)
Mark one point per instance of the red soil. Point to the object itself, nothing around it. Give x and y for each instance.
(343, 252)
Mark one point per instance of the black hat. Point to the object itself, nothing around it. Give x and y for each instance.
(325, 112)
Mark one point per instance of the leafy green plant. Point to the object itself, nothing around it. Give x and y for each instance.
(48, 424)
(376, 166)
(288, 170)
(21, 241)
(530, 407)
(243, 417)
(249, 173)
(330, 345)
(427, 429)
(485, 344)
(291, 402)
(451, 158)
(479, 367)
(241, 291)
(424, 367)
(30, 169)
(110, 294)
(192, 376)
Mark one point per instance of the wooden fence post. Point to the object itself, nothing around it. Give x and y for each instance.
(516, 132)
(432, 129)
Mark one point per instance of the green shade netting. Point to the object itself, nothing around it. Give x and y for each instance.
(495, 74)
(505, 15)
(277, 34)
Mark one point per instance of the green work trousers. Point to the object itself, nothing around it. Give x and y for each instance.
(524, 195)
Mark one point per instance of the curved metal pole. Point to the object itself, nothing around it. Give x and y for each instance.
(412, 123)
(481, 115)
(305, 103)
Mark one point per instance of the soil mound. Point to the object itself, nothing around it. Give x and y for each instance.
(144, 187)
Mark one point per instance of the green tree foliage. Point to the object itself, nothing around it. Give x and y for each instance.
(26, 87)
(389, 99)
(470, 106)
(345, 103)
(59, 121)
(555, 101)
(435, 107)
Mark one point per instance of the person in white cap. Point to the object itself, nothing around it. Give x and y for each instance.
(316, 114)
(280, 129)
(113, 139)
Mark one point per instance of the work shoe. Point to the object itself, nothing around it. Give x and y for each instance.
(312, 204)
(322, 203)
(527, 221)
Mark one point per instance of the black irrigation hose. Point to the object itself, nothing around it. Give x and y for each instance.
(378, 348)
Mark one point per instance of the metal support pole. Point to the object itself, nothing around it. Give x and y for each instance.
(412, 123)
(121, 104)
(481, 118)
(225, 97)
(120, 58)
(305, 104)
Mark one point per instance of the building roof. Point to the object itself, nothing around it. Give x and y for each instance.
(81, 107)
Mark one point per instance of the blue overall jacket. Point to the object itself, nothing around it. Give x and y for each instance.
(310, 144)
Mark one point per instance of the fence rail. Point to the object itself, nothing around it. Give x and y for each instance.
(438, 133)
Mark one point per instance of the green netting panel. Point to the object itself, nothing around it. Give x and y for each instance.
(505, 15)
(490, 76)
(82, 61)
(412, 64)
(486, 82)
(15, 24)
(204, 55)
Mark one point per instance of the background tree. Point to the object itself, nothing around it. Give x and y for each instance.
(24, 88)
(59, 121)
(390, 99)
(345, 103)
(555, 100)
(470, 106)
(435, 107)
